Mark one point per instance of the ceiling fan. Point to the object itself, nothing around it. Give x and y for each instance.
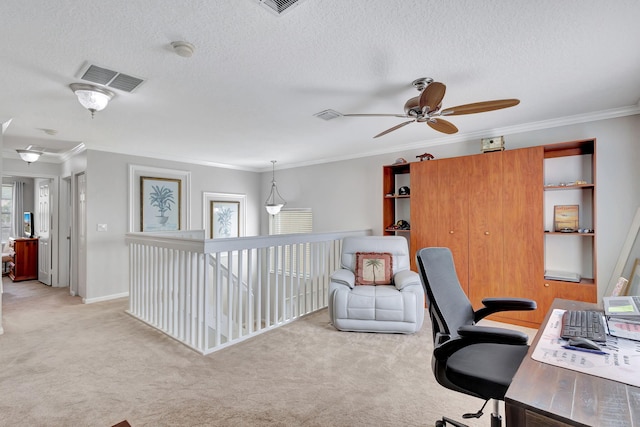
(425, 108)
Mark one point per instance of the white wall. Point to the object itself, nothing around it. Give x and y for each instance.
(107, 203)
(343, 195)
(348, 194)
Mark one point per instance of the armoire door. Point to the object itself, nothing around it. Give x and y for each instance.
(485, 227)
(453, 213)
(523, 230)
(424, 207)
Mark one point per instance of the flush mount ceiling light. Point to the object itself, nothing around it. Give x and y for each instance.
(182, 48)
(29, 156)
(274, 202)
(93, 98)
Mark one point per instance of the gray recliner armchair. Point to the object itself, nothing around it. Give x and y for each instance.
(358, 298)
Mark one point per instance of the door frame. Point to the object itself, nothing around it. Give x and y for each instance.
(54, 235)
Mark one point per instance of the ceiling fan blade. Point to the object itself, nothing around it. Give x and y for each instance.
(432, 96)
(404, 116)
(442, 125)
(480, 107)
(394, 128)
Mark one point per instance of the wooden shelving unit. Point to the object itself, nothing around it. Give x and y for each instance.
(575, 252)
(394, 177)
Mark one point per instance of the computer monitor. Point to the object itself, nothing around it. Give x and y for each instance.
(28, 224)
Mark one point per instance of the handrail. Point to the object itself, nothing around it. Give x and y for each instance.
(211, 293)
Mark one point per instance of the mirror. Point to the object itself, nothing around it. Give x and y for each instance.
(627, 260)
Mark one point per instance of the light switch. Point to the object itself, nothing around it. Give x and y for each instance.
(102, 227)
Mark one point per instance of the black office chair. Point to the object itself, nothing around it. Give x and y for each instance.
(476, 360)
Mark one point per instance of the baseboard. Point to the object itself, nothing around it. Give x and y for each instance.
(105, 298)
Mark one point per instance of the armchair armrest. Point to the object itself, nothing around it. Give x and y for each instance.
(344, 277)
(472, 334)
(495, 305)
(405, 278)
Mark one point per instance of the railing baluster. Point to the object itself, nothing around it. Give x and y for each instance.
(185, 290)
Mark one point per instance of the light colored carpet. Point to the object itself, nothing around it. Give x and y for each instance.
(63, 363)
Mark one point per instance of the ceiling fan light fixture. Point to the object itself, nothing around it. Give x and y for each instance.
(91, 97)
(29, 156)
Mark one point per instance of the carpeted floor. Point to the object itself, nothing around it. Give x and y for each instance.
(63, 363)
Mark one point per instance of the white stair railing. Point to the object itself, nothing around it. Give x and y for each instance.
(209, 294)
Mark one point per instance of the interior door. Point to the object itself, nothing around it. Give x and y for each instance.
(80, 272)
(44, 219)
(64, 233)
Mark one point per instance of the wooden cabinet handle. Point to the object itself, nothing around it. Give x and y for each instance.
(451, 232)
(546, 285)
(486, 233)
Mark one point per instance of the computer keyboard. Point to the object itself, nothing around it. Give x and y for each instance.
(587, 324)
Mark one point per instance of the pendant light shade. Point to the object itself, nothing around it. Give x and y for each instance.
(274, 202)
(91, 97)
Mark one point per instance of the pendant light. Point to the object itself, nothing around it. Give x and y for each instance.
(274, 202)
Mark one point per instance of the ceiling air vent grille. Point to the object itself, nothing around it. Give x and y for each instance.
(113, 79)
(328, 114)
(279, 7)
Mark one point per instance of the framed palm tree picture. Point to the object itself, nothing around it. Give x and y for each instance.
(160, 204)
(225, 219)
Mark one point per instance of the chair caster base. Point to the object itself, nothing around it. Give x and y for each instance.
(448, 421)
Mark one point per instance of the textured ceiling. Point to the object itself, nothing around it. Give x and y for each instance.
(249, 93)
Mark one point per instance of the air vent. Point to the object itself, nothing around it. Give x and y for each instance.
(279, 7)
(113, 79)
(328, 114)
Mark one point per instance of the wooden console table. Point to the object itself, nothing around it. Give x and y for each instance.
(546, 395)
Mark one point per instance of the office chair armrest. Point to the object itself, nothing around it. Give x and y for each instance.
(472, 334)
(344, 277)
(405, 278)
(493, 335)
(495, 305)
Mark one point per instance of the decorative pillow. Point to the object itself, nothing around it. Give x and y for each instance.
(373, 268)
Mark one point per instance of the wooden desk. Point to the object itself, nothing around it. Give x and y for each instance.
(546, 395)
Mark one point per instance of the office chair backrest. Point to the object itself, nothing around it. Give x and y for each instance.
(449, 307)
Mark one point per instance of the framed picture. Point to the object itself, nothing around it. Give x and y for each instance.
(160, 203)
(565, 218)
(634, 280)
(217, 226)
(225, 219)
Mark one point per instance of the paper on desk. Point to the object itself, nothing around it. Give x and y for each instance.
(624, 328)
(622, 364)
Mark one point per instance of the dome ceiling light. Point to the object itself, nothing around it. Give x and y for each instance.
(93, 98)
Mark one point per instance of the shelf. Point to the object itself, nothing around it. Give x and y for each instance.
(399, 168)
(397, 197)
(575, 233)
(583, 281)
(393, 230)
(568, 187)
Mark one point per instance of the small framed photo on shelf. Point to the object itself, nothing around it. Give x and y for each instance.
(565, 218)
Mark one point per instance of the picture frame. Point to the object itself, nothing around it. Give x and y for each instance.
(565, 218)
(634, 279)
(160, 204)
(224, 219)
(621, 287)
